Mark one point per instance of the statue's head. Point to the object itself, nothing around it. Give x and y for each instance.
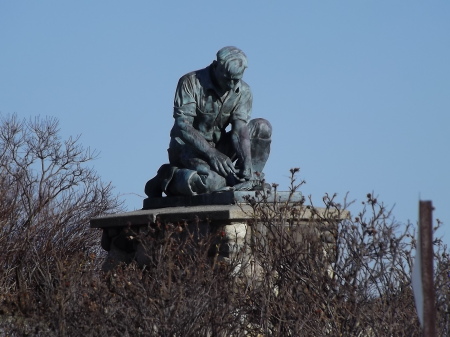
(229, 67)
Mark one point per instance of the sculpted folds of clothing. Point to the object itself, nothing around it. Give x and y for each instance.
(203, 156)
(196, 98)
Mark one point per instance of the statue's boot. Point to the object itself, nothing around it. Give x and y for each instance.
(253, 185)
(189, 182)
(158, 184)
(185, 182)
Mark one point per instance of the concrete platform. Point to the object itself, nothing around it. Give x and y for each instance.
(236, 222)
(143, 217)
(214, 213)
(221, 198)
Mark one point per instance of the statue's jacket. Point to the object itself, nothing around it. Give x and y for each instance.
(196, 96)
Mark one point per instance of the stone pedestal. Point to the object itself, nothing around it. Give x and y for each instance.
(121, 231)
(234, 225)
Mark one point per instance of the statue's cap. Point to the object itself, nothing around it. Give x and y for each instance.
(230, 53)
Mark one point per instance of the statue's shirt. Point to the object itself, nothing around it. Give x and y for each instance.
(196, 97)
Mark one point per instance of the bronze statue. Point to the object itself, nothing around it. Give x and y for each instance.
(204, 157)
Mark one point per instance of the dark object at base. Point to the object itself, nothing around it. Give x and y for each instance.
(220, 198)
(157, 185)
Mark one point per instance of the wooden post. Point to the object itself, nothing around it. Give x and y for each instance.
(426, 246)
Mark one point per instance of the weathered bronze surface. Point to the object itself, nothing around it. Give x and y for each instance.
(204, 156)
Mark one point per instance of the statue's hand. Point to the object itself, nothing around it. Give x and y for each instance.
(221, 163)
(246, 173)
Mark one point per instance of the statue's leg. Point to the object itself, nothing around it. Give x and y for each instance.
(195, 180)
(260, 131)
(194, 175)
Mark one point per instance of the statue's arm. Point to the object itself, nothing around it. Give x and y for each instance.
(186, 131)
(184, 112)
(218, 161)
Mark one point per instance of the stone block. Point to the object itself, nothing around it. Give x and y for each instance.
(221, 198)
(235, 221)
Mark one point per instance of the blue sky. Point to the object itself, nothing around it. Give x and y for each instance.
(357, 91)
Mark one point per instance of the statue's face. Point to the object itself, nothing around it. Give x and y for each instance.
(228, 78)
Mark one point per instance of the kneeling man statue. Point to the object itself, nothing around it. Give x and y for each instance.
(203, 156)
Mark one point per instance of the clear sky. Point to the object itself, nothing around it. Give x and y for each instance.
(358, 92)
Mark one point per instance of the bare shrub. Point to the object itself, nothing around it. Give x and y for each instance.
(358, 286)
(48, 194)
(442, 284)
(321, 277)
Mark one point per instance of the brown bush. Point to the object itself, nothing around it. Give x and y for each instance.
(48, 194)
(298, 281)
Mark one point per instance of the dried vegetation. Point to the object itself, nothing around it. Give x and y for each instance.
(299, 284)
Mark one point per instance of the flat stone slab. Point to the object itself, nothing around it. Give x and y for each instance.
(220, 198)
(215, 213)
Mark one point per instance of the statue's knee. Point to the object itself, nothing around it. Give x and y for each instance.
(260, 128)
